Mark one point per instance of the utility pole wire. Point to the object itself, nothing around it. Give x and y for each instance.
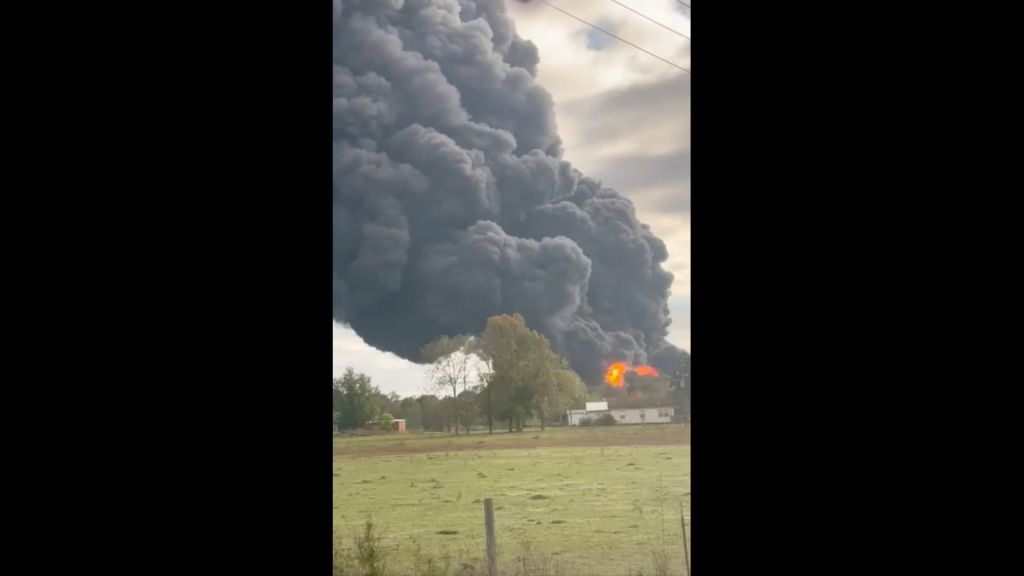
(616, 37)
(672, 30)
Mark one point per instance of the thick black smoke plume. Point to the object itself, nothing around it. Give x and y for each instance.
(452, 202)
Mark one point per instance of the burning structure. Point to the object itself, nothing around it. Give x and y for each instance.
(614, 376)
(452, 201)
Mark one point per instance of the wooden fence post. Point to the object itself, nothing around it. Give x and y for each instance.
(686, 547)
(492, 550)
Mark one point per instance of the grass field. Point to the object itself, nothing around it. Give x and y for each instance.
(593, 501)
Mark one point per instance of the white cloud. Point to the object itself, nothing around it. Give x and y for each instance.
(570, 70)
(388, 372)
(679, 331)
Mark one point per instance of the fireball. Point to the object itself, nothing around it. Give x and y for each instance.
(616, 370)
(613, 377)
(644, 370)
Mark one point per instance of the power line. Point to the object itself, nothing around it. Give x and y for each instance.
(616, 37)
(673, 30)
(684, 3)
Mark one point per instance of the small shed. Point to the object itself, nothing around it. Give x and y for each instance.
(398, 425)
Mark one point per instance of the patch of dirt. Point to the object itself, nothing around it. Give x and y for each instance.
(629, 436)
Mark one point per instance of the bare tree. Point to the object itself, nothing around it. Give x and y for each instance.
(450, 368)
(680, 386)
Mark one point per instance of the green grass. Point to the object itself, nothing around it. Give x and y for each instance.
(578, 496)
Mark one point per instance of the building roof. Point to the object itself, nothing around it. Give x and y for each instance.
(603, 407)
(636, 402)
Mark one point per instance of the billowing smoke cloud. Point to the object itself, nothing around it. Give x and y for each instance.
(452, 202)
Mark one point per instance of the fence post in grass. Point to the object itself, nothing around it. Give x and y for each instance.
(686, 547)
(492, 550)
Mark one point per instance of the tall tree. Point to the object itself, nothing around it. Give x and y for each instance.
(499, 348)
(485, 399)
(354, 405)
(469, 408)
(485, 375)
(559, 389)
(450, 368)
(409, 410)
(524, 375)
(431, 414)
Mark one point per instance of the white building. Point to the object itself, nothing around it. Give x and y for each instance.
(573, 417)
(653, 415)
(594, 410)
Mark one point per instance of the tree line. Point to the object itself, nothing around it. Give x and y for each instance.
(504, 376)
(358, 403)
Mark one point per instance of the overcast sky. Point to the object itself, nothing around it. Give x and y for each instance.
(624, 117)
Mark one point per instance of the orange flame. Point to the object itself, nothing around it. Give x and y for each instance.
(616, 370)
(645, 370)
(613, 377)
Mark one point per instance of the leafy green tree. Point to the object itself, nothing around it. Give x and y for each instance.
(432, 415)
(484, 399)
(409, 410)
(523, 375)
(560, 390)
(354, 406)
(469, 409)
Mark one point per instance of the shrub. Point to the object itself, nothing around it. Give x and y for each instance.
(605, 420)
(369, 554)
(386, 420)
